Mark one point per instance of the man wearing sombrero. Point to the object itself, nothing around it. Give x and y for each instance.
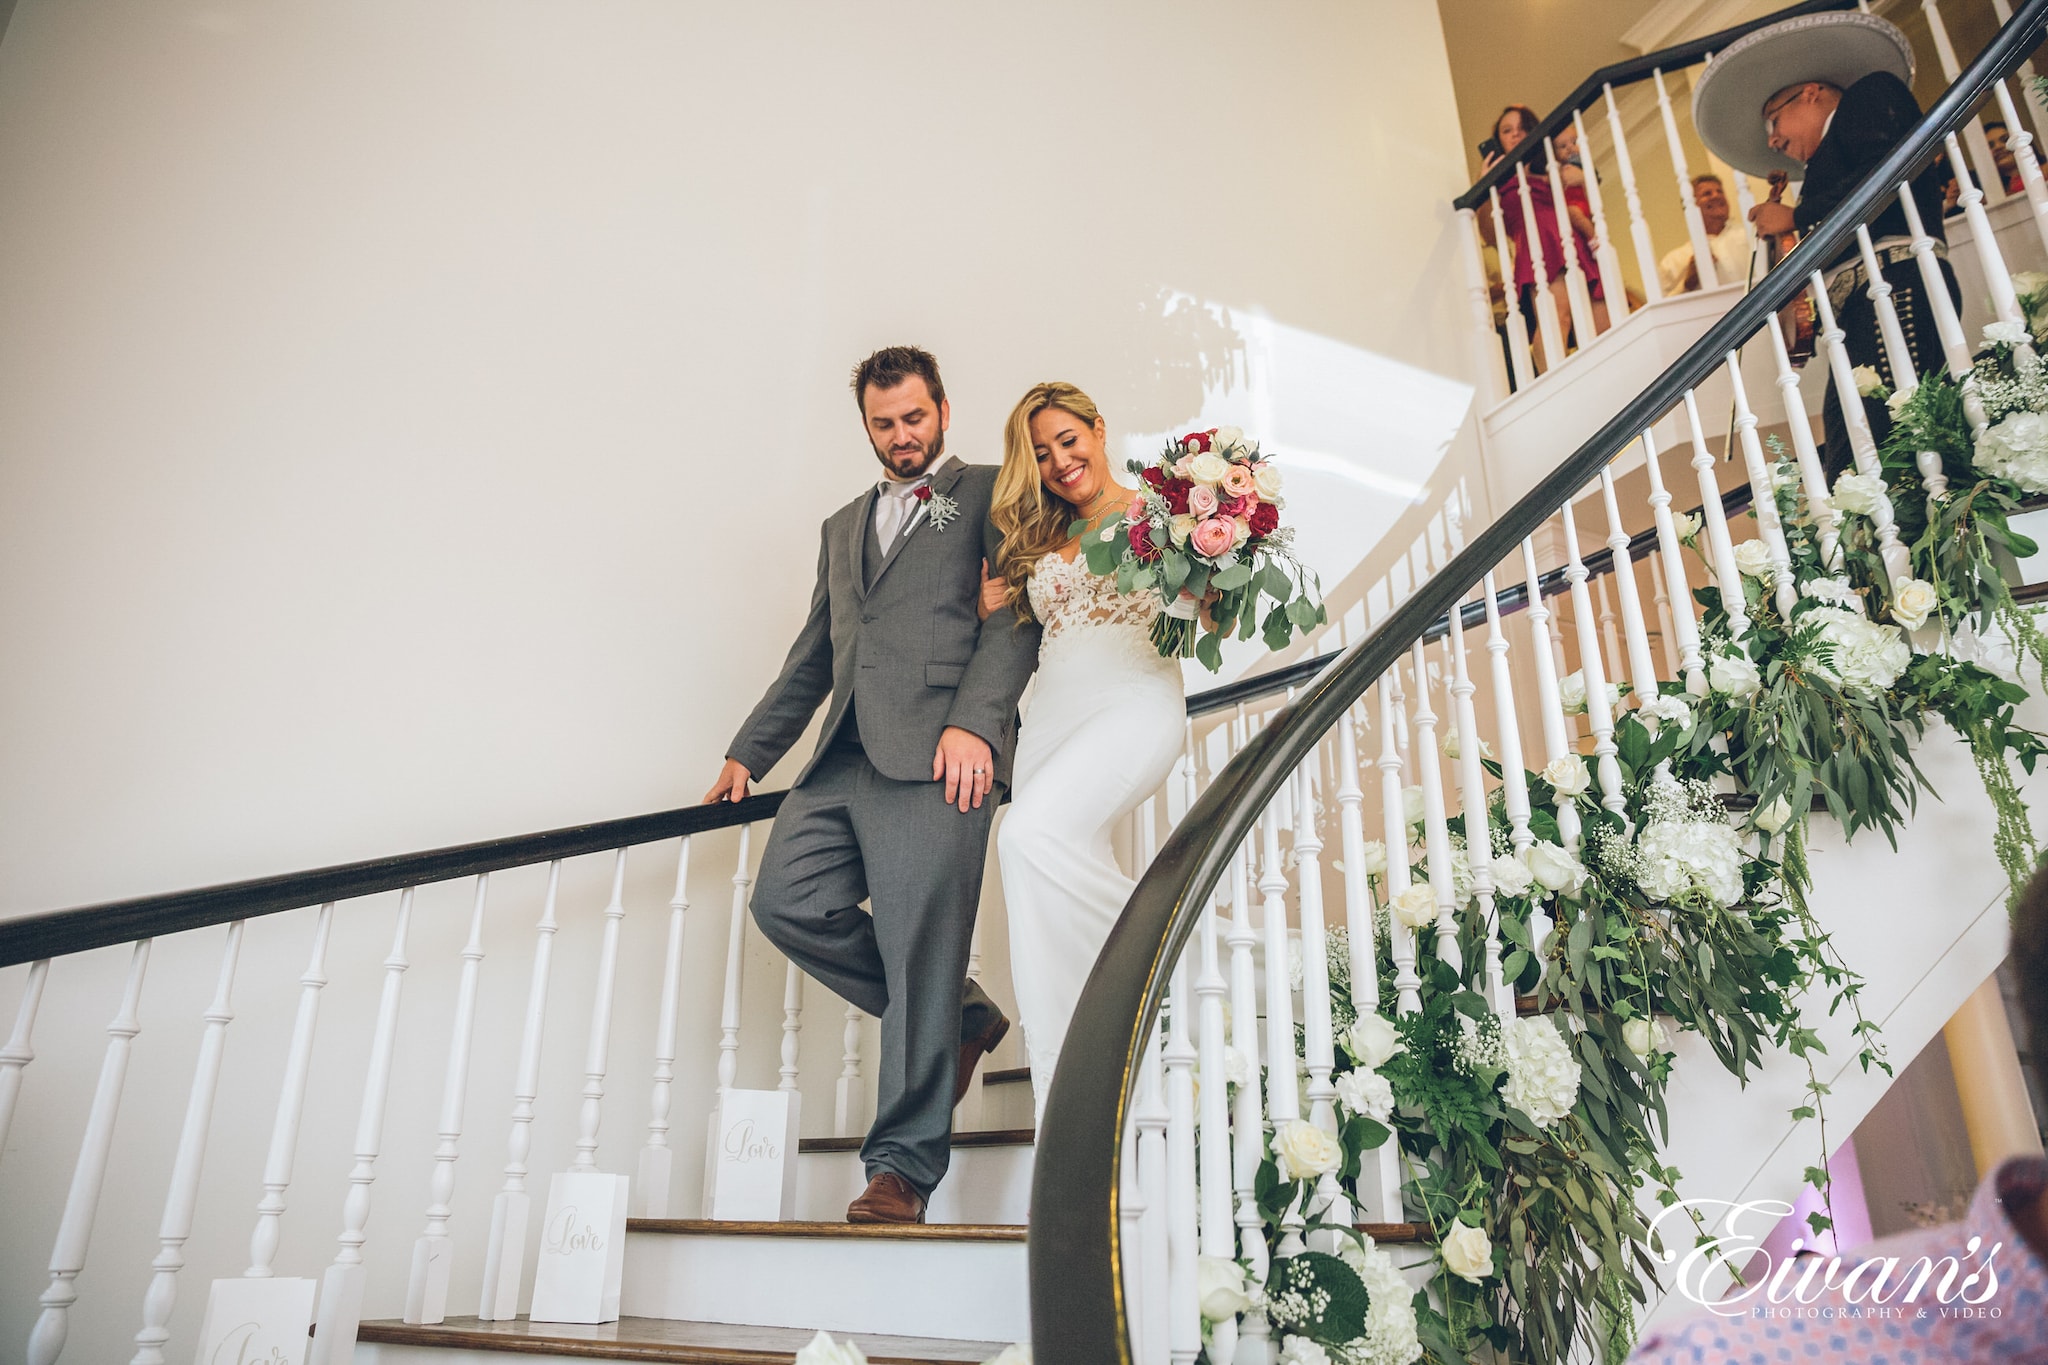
(1824, 98)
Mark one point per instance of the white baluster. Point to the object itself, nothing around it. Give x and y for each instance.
(1667, 630)
(1519, 357)
(18, 1053)
(1857, 423)
(1997, 278)
(849, 1108)
(1599, 712)
(1131, 1224)
(1358, 898)
(1219, 1230)
(792, 1026)
(1576, 292)
(1638, 226)
(657, 1158)
(1247, 1118)
(1183, 1224)
(183, 1195)
(512, 1207)
(1642, 668)
(1714, 517)
(89, 1175)
(1898, 356)
(1548, 325)
(1948, 327)
(1436, 832)
(426, 1293)
(1319, 1050)
(1283, 1095)
(2035, 105)
(1472, 805)
(1514, 783)
(1763, 487)
(1973, 131)
(341, 1288)
(2022, 143)
(1486, 357)
(735, 949)
(291, 1106)
(1400, 938)
(1812, 478)
(1557, 741)
(1610, 658)
(1604, 255)
(590, 1113)
(1154, 1304)
(1671, 560)
(1695, 225)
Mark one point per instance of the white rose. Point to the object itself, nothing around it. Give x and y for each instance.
(1374, 859)
(1734, 675)
(2016, 449)
(2028, 283)
(1416, 907)
(1672, 709)
(1772, 818)
(1219, 1285)
(1752, 559)
(1511, 876)
(1208, 468)
(1568, 776)
(1305, 1151)
(1181, 527)
(1862, 494)
(2005, 334)
(1228, 438)
(1411, 805)
(825, 1351)
(1454, 746)
(1896, 404)
(1367, 1093)
(1302, 1351)
(1643, 1036)
(1687, 527)
(1868, 380)
(1913, 601)
(1836, 592)
(1555, 868)
(1571, 692)
(1268, 481)
(1468, 1253)
(1237, 1068)
(1372, 1041)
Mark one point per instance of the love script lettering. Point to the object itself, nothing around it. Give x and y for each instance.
(743, 1144)
(570, 1234)
(238, 1348)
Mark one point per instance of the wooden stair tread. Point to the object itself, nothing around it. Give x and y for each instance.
(886, 1232)
(996, 1137)
(1010, 1076)
(661, 1339)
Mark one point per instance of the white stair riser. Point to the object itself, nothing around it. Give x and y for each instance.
(984, 1185)
(972, 1291)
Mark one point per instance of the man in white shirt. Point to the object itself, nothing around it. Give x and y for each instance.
(1729, 243)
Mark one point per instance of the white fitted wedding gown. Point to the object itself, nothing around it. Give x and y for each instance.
(1102, 731)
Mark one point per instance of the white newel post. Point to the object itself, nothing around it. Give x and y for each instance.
(1638, 226)
(88, 1177)
(18, 1052)
(341, 1288)
(1604, 255)
(657, 1158)
(512, 1208)
(1695, 225)
(426, 1290)
(183, 1195)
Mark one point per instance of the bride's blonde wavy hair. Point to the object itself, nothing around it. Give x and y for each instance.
(1033, 521)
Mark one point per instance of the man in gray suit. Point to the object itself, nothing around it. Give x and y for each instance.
(896, 802)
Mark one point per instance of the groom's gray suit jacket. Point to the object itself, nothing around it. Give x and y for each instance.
(899, 643)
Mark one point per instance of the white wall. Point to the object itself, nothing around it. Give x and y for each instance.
(414, 422)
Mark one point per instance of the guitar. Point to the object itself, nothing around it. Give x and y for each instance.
(1796, 319)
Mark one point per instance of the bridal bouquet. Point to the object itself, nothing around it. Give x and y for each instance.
(1207, 522)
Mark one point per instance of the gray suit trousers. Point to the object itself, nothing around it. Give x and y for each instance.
(845, 833)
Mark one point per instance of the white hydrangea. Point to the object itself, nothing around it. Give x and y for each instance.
(1390, 1337)
(2016, 449)
(1862, 655)
(1543, 1076)
(1366, 1092)
(2005, 334)
(1511, 876)
(1677, 857)
(1302, 1351)
(1835, 592)
(1659, 710)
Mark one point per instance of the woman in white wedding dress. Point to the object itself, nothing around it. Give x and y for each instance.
(1105, 718)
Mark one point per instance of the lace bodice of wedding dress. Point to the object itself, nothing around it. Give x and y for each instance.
(1066, 597)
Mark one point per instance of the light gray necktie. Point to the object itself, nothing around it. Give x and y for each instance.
(893, 510)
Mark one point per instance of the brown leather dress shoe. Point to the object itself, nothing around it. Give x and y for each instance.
(888, 1198)
(973, 1050)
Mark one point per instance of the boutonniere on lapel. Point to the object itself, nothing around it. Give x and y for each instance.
(938, 507)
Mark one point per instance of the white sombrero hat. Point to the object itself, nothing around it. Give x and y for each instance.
(1840, 48)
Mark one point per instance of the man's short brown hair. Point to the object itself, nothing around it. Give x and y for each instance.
(890, 366)
(1700, 180)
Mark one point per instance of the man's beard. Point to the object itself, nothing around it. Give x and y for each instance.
(892, 462)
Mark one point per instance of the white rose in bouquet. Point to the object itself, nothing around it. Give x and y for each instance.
(1181, 527)
(1571, 692)
(1868, 380)
(1511, 875)
(2005, 333)
(1415, 907)
(1864, 656)
(1411, 806)
(1374, 858)
(1568, 776)
(1372, 1041)
(1468, 1253)
(822, 1350)
(1454, 746)
(1219, 1286)
(1208, 468)
(1644, 1036)
(1680, 856)
(1913, 601)
(2016, 449)
(1366, 1092)
(1266, 478)
(1228, 438)
(1734, 675)
(1543, 1076)
(1556, 868)
(1772, 818)
(1305, 1151)
(1687, 526)
(1752, 559)
(1862, 494)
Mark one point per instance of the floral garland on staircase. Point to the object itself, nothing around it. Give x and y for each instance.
(1527, 1142)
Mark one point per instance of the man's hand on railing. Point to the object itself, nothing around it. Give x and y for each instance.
(731, 784)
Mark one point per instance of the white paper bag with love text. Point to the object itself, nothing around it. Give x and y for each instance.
(262, 1321)
(751, 1160)
(582, 1249)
